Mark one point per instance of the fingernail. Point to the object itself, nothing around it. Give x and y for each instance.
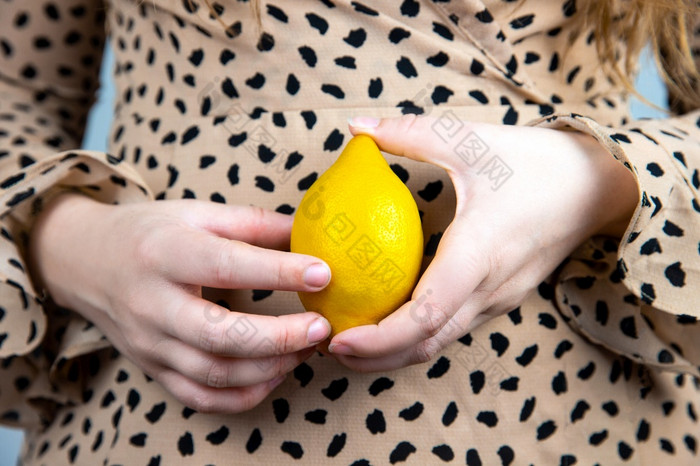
(317, 275)
(363, 122)
(339, 348)
(318, 331)
(276, 381)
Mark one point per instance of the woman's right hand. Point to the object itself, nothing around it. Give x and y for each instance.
(137, 271)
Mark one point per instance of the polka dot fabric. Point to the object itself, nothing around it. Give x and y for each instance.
(599, 366)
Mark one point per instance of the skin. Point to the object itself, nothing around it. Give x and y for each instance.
(144, 290)
(502, 243)
(140, 281)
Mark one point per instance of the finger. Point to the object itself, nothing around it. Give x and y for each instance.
(450, 280)
(198, 258)
(205, 399)
(425, 351)
(215, 330)
(221, 372)
(416, 137)
(248, 224)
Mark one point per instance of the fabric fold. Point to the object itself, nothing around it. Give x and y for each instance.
(654, 317)
(27, 318)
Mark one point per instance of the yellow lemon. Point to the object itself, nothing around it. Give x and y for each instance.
(361, 219)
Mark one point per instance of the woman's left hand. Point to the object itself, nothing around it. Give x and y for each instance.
(506, 237)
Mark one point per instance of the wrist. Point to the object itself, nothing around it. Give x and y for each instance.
(602, 193)
(619, 195)
(60, 247)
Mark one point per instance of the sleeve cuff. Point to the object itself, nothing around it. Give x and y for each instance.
(39, 342)
(639, 296)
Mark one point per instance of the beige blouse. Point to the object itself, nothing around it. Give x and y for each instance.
(599, 366)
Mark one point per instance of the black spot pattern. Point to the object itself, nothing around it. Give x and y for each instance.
(211, 106)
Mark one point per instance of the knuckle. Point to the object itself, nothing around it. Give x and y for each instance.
(408, 122)
(187, 391)
(137, 303)
(282, 273)
(427, 350)
(144, 343)
(217, 375)
(257, 221)
(247, 400)
(147, 248)
(144, 348)
(258, 214)
(274, 366)
(200, 400)
(282, 365)
(284, 343)
(434, 319)
(211, 337)
(226, 262)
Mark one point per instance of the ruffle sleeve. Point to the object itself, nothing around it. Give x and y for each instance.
(640, 295)
(49, 64)
(654, 317)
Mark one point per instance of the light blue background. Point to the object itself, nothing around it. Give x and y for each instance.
(649, 84)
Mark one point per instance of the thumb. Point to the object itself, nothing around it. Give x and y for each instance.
(416, 137)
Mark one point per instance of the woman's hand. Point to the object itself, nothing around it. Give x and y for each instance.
(507, 235)
(137, 272)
